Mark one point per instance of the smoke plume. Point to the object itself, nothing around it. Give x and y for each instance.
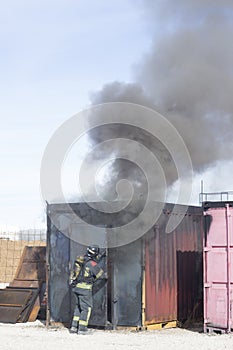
(187, 76)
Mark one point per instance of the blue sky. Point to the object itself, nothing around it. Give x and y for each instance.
(53, 55)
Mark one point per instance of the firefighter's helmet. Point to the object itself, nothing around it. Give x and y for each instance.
(93, 250)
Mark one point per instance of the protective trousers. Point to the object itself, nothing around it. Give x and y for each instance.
(83, 307)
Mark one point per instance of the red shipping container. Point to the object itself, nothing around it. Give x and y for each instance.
(218, 267)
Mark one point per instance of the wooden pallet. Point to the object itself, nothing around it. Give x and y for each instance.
(154, 326)
(161, 325)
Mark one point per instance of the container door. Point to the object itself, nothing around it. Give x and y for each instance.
(218, 271)
(58, 254)
(61, 253)
(125, 292)
(99, 312)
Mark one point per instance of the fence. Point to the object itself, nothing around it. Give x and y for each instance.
(215, 196)
(11, 248)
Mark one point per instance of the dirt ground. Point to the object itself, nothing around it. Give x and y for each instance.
(37, 337)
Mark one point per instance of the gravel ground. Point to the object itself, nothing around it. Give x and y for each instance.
(35, 336)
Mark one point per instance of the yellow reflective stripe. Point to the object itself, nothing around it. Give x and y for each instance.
(100, 273)
(84, 285)
(76, 318)
(85, 322)
(89, 314)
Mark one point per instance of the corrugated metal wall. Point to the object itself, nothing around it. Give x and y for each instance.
(173, 269)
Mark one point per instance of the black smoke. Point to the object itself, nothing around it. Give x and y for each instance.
(188, 76)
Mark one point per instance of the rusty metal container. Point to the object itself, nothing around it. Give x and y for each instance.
(154, 280)
(218, 267)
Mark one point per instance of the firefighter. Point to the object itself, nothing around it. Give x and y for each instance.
(86, 271)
